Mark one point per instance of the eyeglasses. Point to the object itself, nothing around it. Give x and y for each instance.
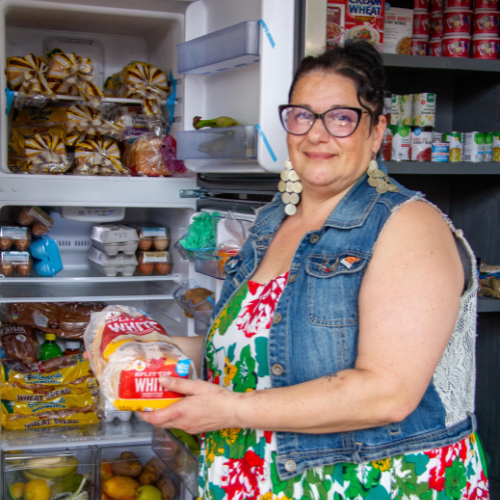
(339, 122)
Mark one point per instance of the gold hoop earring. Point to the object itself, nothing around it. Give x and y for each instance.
(379, 180)
(291, 187)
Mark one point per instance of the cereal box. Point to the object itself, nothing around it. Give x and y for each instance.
(398, 25)
(350, 20)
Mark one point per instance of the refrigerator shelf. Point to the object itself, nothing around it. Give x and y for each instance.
(105, 292)
(122, 100)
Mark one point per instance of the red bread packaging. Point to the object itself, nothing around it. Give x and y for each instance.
(129, 351)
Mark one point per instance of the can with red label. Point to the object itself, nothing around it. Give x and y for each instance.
(421, 143)
(437, 25)
(434, 47)
(421, 22)
(485, 46)
(462, 4)
(486, 4)
(387, 144)
(419, 45)
(457, 21)
(486, 22)
(456, 45)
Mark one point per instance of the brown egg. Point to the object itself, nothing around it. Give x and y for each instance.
(160, 243)
(146, 268)
(145, 244)
(38, 229)
(25, 219)
(24, 269)
(5, 243)
(163, 267)
(6, 268)
(23, 244)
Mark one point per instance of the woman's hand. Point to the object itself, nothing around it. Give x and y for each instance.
(205, 407)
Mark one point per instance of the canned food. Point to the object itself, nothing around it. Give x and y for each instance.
(434, 47)
(462, 4)
(440, 151)
(421, 143)
(387, 144)
(496, 147)
(424, 110)
(486, 22)
(406, 106)
(401, 142)
(395, 110)
(457, 21)
(454, 139)
(438, 136)
(485, 46)
(419, 45)
(457, 45)
(474, 147)
(486, 4)
(421, 22)
(436, 28)
(488, 146)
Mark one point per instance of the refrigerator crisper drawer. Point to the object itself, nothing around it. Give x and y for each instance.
(221, 50)
(117, 462)
(49, 473)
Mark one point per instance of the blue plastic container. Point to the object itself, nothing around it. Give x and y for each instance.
(47, 259)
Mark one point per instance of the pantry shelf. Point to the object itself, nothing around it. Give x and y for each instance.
(438, 168)
(488, 304)
(441, 63)
(123, 100)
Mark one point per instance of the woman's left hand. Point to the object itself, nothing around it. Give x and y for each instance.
(205, 407)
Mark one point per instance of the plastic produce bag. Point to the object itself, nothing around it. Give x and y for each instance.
(238, 229)
(129, 352)
(201, 234)
(144, 156)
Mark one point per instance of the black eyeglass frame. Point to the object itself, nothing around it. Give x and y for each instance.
(359, 111)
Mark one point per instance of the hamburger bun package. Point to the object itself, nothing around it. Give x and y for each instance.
(129, 352)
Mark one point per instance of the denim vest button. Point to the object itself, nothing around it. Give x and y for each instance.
(290, 465)
(293, 277)
(314, 238)
(277, 318)
(277, 369)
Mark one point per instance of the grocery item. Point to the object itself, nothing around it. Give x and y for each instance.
(220, 122)
(424, 110)
(148, 492)
(486, 22)
(38, 489)
(461, 4)
(32, 408)
(485, 46)
(83, 118)
(437, 28)
(114, 238)
(434, 47)
(438, 136)
(48, 116)
(72, 347)
(166, 487)
(419, 45)
(39, 220)
(21, 262)
(395, 110)
(421, 22)
(152, 471)
(440, 152)
(19, 343)
(28, 76)
(401, 143)
(49, 349)
(131, 119)
(335, 22)
(168, 151)
(436, 5)
(127, 464)
(20, 237)
(120, 487)
(421, 4)
(152, 236)
(46, 255)
(486, 4)
(122, 263)
(421, 143)
(69, 74)
(143, 156)
(406, 105)
(457, 20)
(488, 146)
(387, 144)
(473, 147)
(98, 156)
(129, 351)
(495, 156)
(157, 261)
(455, 140)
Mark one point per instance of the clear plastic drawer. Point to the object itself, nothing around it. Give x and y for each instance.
(221, 50)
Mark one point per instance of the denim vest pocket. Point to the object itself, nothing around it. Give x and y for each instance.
(333, 283)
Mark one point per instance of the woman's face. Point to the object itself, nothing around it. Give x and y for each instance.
(321, 160)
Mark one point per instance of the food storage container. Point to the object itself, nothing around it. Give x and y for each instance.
(114, 238)
(456, 45)
(485, 46)
(39, 220)
(437, 29)
(421, 22)
(20, 262)
(419, 46)
(434, 47)
(154, 262)
(111, 266)
(462, 4)
(457, 20)
(152, 236)
(437, 6)
(198, 304)
(486, 22)
(48, 260)
(20, 237)
(421, 4)
(486, 4)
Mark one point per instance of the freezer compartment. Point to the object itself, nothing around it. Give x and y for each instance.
(230, 142)
(178, 458)
(141, 465)
(48, 474)
(221, 50)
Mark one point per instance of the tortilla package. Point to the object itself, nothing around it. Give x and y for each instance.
(129, 352)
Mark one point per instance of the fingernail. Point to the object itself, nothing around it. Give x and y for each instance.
(165, 381)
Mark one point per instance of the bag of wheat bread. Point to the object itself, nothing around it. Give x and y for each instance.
(129, 351)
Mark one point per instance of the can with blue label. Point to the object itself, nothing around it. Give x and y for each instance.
(440, 151)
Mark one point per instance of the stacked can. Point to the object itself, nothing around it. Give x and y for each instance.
(421, 28)
(485, 23)
(475, 147)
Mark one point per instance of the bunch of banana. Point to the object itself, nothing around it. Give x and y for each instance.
(50, 467)
(220, 122)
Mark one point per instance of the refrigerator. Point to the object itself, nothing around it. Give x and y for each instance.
(227, 57)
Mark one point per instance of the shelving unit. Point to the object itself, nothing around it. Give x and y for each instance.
(437, 168)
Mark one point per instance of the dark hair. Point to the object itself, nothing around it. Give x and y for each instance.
(358, 61)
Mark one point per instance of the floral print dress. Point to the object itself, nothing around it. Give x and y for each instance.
(240, 464)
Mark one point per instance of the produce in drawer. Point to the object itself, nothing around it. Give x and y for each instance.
(129, 352)
(152, 471)
(220, 122)
(28, 76)
(98, 156)
(127, 464)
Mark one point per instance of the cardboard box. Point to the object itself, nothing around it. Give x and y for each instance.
(398, 25)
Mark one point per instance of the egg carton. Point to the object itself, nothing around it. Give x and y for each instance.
(114, 238)
(111, 266)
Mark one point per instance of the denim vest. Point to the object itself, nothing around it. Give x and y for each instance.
(316, 324)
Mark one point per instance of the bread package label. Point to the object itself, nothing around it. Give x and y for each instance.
(398, 25)
(129, 352)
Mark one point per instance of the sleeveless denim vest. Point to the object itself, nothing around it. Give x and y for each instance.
(316, 324)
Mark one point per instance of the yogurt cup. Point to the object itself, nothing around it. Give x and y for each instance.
(419, 45)
(436, 29)
(437, 6)
(486, 4)
(486, 22)
(434, 47)
(485, 46)
(462, 4)
(421, 22)
(457, 20)
(456, 45)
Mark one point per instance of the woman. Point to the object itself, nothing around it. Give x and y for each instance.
(341, 360)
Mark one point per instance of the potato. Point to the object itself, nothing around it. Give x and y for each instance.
(152, 471)
(127, 465)
(166, 487)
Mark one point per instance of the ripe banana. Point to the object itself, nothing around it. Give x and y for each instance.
(31, 477)
(45, 461)
(220, 122)
(68, 466)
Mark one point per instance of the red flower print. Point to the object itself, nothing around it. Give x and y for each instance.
(243, 476)
(268, 435)
(481, 491)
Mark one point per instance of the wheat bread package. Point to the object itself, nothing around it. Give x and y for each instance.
(129, 352)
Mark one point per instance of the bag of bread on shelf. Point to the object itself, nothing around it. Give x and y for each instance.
(19, 343)
(129, 352)
(143, 156)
